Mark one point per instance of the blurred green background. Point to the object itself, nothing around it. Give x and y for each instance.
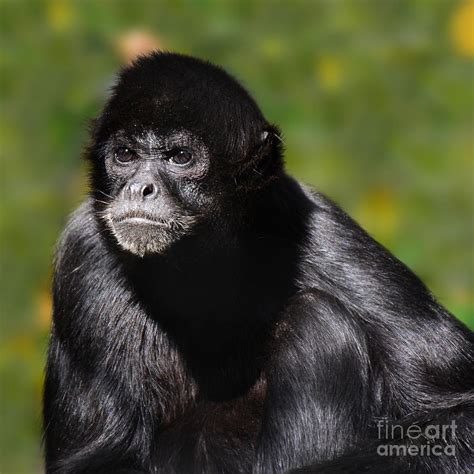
(375, 98)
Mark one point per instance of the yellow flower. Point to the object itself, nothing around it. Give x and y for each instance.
(135, 43)
(379, 211)
(329, 72)
(462, 28)
(60, 14)
(44, 305)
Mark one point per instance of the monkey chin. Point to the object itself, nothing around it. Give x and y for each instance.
(142, 239)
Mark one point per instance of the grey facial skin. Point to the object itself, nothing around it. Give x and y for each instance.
(149, 215)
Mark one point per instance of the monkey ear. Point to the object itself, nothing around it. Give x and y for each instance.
(265, 162)
(270, 133)
(269, 153)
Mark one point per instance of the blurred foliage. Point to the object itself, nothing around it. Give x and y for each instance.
(375, 99)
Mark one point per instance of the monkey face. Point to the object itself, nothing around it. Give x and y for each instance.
(156, 191)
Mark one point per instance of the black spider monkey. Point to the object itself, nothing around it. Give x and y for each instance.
(212, 315)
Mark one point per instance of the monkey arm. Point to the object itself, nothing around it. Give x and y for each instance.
(318, 383)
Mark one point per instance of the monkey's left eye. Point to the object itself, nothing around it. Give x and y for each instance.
(180, 156)
(124, 155)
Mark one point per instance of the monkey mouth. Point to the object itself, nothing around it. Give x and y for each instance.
(139, 218)
(143, 233)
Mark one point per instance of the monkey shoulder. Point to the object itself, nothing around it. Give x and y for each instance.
(83, 262)
(341, 259)
(80, 240)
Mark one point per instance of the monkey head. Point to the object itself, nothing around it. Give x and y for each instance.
(178, 143)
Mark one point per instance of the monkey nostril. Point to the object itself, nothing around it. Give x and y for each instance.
(149, 190)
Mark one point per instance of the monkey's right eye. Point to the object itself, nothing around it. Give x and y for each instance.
(124, 156)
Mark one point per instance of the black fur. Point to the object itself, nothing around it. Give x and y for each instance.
(248, 325)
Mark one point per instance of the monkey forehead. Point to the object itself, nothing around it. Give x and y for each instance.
(151, 141)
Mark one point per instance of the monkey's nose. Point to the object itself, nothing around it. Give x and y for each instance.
(148, 191)
(140, 191)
